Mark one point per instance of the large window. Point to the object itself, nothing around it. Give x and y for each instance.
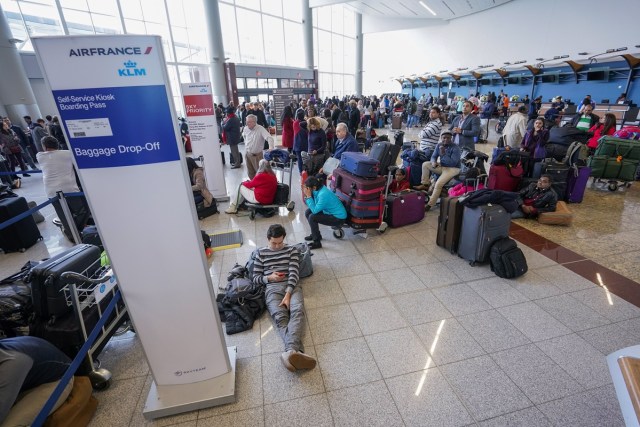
(334, 48)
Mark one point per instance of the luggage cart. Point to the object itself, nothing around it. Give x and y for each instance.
(285, 168)
(89, 296)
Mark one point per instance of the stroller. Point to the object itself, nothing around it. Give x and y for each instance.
(283, 162)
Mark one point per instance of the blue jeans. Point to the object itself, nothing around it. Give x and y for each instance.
(25, 363)
(289, 322)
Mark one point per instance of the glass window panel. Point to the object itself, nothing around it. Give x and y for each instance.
(284, 83)
(292, 10)
(326, 83)
(294, 45)
(349, 84)
(272, 83)
(105, 24)
(163, 31)
(262, 83)
(135, 26)
(273, 40)
(180, 36)
(251, 46)
(229, 32)
(152, 11)
(41, 19)
(316, 49)
(337, 56)
(199, 54)
(324, 51)
(106, 7)
(272, 7)
(314, 13)
(78, 22)
(176, 13)
(249, 4)
(337, 20)
(240, 83)
(349, 64)
(338, 87)
(252, 83)
(131, 9)
(74, 4)
(173, 81)
(324, 18)
(349, 22)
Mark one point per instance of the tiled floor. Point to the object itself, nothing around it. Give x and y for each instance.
(407, 334)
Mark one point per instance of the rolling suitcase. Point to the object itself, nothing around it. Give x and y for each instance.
(559, 173)
(502, 177)
(396, 121)
(481, 226)
(405, 208)
(449, 224)
(386, 153)
(577, 184)
(361, 208)
(46, 284)
(21, 235)
(360, 165)
(355, 186)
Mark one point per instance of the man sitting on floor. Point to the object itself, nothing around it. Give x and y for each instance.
(535, 199)
(276, 267)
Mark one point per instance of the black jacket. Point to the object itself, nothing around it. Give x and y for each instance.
(231, 128)
(545, 200)
(477, 198)
(239, 317)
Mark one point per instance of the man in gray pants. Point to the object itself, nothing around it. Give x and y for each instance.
(276, 267)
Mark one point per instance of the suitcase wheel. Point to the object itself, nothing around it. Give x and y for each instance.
(252, 215)
(291, 206)
(338, 233)
(100, 379)
(613, 186)
(383, 227)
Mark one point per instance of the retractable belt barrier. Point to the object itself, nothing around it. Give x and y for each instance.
(75, 364)
(21, 172)
(25, 214)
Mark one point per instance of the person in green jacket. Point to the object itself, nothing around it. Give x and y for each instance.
(324, 207)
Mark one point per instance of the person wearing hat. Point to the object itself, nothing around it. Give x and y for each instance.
(231, 128)
(447, 169)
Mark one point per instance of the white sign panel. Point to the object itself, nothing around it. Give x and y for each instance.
(113, 97)
(203, 130)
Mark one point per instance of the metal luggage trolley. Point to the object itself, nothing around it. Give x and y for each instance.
(285, 168)
(89, 296)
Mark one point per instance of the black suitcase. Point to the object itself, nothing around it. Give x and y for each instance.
(90, 236)
(386, 153)
(559, 173)
(449, 224)
(481, 226)
(46, 284)
(21, 235)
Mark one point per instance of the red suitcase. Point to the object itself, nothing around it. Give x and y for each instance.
(502, 177)
(360, 208)
(357, 187)
(405, 208)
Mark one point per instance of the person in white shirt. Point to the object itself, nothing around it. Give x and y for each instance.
(515, 128)
(58, 175)
(254, 138)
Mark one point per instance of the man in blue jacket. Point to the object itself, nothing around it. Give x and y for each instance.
(324, 207)
(448, 168)
(346, 142)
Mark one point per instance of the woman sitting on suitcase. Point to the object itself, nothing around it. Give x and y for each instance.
(201, 194)
(324, 207)
(261, 189)
(400, 182)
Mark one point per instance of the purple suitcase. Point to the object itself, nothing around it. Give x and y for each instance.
(360, 208)
(360, 164)
(405, 208)
(357, 187)
(577, 184)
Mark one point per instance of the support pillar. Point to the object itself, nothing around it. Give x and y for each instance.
(307, 34)
(359, 54)
(216, 51)
(15, 91)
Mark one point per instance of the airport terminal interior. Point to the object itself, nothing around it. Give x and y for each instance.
(404, 332)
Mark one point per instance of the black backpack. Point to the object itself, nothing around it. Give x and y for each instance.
(507, 260)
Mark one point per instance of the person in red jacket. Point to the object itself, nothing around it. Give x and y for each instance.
(261, 189)
(287, 128)
(400, 183)
(605, 126)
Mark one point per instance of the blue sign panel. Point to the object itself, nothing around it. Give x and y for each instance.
(119, 126)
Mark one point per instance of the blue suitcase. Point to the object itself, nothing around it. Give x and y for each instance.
(360, 164)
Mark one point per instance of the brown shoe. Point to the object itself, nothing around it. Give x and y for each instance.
(301, 361)
(285, 357)
(421, 187)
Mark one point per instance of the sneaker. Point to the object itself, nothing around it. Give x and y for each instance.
(300, 360)
(235, 166)
(315, 244)
(231, 210)
(285, 357)
(26, 175)
(309, 238)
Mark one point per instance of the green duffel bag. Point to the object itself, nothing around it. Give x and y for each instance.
(613, 147)
(597, 165)
(628, 170)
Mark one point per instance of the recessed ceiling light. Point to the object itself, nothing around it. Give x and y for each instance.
(427, 7)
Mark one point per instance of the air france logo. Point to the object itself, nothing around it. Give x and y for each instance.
(130, 70)
(108, 51)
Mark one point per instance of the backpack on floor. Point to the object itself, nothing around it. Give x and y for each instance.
(577, 155)
(507, 260)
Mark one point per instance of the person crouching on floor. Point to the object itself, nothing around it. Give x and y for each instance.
(535, 199)
(324, 207)
(276, 267)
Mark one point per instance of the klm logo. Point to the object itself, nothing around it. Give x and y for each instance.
(130, 70)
